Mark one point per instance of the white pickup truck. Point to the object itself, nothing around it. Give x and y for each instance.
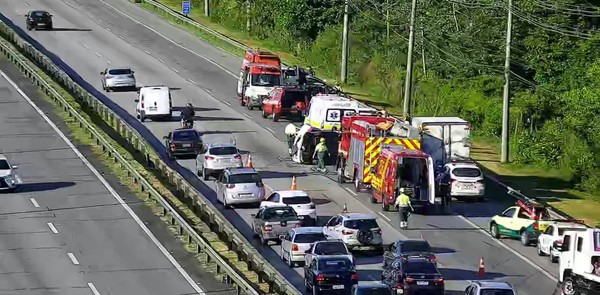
(554, 233)
(580, 262)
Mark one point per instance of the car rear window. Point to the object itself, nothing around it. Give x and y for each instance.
(335, 248)
(419, 267)
(361, 223)
(309, 238)
(466, 172)
(297, 200)
(40, 14)
(415, 246)
(294, 96)
(244, 178)
(222, 151)
(185, 135)
(4, 165)
(335, 264)
(119, 72)
(496, 292)
(374, 291)
(279, 213)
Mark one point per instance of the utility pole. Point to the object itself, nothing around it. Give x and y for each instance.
(206, 8)
(344, 74)
(408, 82)
(506, 97)
(387, 19)
(423, 51)
(248, 16)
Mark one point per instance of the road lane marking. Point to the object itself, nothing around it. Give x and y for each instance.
(227, 103)
(172, 41)
(383, 215)
(191, 81)
(175, 70)
(108, 29)
(147, 52)
(247, 116)
(85, 45)
(350, 191)
(98, 54)
(162, 61)
(34, 202)
(73, 258)
(112, 191)
(52, 227)
(270, 130)
(121, 37)
(93, 288)
(25, 3)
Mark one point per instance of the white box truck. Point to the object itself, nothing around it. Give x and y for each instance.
(444, 138)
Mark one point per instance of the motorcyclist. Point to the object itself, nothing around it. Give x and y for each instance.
(187, 114)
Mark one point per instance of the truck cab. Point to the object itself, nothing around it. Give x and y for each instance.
(260, 72)
(580, 262)
(525, 221)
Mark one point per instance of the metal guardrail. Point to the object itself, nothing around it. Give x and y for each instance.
(203, 208)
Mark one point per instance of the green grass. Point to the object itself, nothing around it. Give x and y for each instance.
(532, 181)
(82, 137)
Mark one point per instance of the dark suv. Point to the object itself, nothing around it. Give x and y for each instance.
(413, 276)
(183, 142)
(39, 19)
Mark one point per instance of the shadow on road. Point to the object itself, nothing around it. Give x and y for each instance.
(44, 186)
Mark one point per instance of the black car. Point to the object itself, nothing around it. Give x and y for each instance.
(413, 276)
(183, 142)
(330, 274)
(408, 248)
(371, 288)
(39, 19)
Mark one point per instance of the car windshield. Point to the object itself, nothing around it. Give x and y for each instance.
(419, 267)
(40, 14)
(244, 178)
(309, 238)
(119, 72)
(297, 200)
(185, 135)
(466, 172)
(496, 292)
(413, 246)
(222, 151)
(285, 213)
(361, 223)
(374, 291)
(562, 230)
(4, 165)
(336, 248)
(266, 80)
(335, 264)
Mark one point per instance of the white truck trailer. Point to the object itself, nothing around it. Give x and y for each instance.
(445, 139)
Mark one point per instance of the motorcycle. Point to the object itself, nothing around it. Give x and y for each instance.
(187, 123)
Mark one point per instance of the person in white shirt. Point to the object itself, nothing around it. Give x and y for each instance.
(290, 131)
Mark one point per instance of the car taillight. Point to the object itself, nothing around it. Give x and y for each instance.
(259, 184)
(231, 185)
(237, 157)
(354, 276)
(536, 226)
(320, 278)
(268, 228)
(378, 231)
(559, 243)
(347, 232)
(399, 286)
(453, 182)
(432, 258)
(294, 247)
(142, 104)
(209, 158)
(438, 280)
(298, 224)
(313, 206)
(130, 76)
(172, 146)
(109, 77)
(409, 280)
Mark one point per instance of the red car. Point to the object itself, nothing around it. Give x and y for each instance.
(285, 101)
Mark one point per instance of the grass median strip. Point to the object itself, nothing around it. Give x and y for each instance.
(82, 137)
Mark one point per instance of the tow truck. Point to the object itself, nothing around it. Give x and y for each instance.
(524, 221)
(259, 74)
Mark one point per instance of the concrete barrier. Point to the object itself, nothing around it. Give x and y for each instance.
(26, 48)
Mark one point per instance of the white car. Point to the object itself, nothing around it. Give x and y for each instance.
(465, 180)
(216, 157)
(297, 199)
(554, 233)
(118, 78)
(357, 230)
(9, 180)
(489, 287)
(239, 186)
(297, 241)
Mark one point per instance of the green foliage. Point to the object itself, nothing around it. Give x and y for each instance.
(554, 71)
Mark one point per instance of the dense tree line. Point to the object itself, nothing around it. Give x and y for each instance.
(459, 50)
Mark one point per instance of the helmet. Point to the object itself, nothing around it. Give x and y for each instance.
(401, 189)
(322, 139)
(189, 104)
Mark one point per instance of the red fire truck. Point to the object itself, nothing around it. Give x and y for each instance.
(400, 167)
(359, 147)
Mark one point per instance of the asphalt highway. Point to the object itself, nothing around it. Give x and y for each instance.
(91, 35)
(66, 230)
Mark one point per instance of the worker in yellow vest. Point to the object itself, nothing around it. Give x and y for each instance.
(404, 205)
(320, 152)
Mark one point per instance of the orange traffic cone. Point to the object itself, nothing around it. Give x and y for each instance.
(250, 162)
(345, 209)
(294, 184)
(481, 271)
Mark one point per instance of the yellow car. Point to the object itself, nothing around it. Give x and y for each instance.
(525, 221)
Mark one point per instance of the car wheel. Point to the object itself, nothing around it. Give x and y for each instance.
(264, 241)
(225, 203)
(340, 174)
(306, 285)
(242, 102)
(384, 204)
(250, 107)
(553, 258)
(539, 250)
(525, 238)
(290, 263)
(315, 291)
(205, 175)
(568, 287)
(29, 28)
(357, 184)
(264, 114)
(275, 117)
(372, 198)
(494, 231)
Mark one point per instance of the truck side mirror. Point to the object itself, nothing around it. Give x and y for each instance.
(136, 100)
(558, 246)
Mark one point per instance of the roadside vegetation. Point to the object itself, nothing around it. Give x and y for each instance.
(458, 70)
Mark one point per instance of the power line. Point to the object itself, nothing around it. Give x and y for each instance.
(576, 10)
(553, 28)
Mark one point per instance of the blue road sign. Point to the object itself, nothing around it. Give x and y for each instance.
(186, 7)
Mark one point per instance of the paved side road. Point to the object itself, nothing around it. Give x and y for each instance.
(66, 231)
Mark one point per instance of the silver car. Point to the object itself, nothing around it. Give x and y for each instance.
(297, 241)
(117, 78)
(9, 180)
(269, 223)
(239, 186)
(216, 157)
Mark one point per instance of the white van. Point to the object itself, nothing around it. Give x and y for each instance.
(154, 102)
(326, 111)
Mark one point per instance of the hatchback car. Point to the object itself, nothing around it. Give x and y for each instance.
(287, 101)
(297, 199)
(371, 288)
(117, 78)
(413, 276)
(489, 288)
(326, 248)
(9, 179)
(239, 186)
(216, 157)
(39, 19)
(462, 180)
(357, 230)
(408, 248)
(297, 241)
(331, 274)
(183, 142)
